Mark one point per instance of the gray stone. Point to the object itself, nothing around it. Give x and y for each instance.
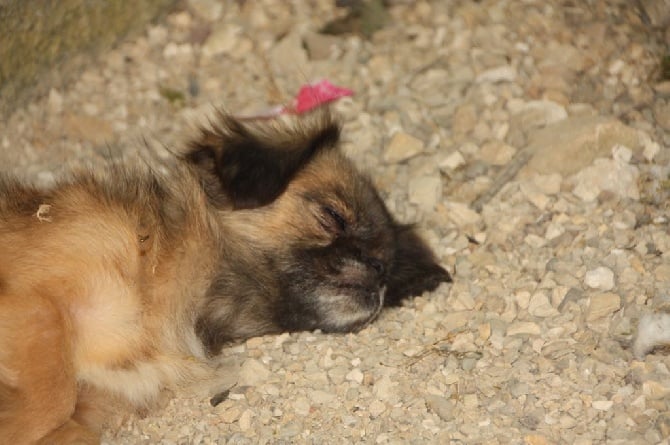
(441, 406)
(222, 40)
(321, 46)
(563, 56)
(355, 375)
(602, 405)
(612, 175)
(253, 373)
(321, 397)
(534, 194)
(290, 430)
(289, 56)
(464, 119)
(523, 328)
(601, 278)
(402, 147)
(210, 10)
(385, 389)
(662, 114)
(496, 152)
(376, 408)
(656, 390)
(452, 161)
(538, 113)
(503, 73)
(425, 192)
(602, 305)
(461, 214)
(540, 306)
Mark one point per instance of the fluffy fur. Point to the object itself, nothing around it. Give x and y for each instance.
(115, 284)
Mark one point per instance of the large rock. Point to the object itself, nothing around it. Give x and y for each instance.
(574, 143)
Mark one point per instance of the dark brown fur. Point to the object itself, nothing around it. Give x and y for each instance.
(116, 284)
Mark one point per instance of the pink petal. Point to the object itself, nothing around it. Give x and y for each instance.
(316, 94)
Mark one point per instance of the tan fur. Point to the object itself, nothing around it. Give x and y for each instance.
(87, 289)
(118, 282)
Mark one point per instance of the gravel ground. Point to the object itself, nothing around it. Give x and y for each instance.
(530, 141)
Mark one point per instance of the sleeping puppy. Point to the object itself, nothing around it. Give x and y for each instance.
(115, 284)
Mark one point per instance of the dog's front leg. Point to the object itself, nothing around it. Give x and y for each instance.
(38, 388)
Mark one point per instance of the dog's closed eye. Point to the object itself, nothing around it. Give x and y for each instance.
(333, 221)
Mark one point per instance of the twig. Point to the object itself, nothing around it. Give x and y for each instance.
(505, 175)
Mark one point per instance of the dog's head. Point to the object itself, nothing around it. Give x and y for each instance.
(328, 254)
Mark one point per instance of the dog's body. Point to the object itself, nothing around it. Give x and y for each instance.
(117, 284)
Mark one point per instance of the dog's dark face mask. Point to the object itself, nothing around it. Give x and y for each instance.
(336, 256)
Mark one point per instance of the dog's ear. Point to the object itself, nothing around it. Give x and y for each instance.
(249, 164)
(414, 268)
